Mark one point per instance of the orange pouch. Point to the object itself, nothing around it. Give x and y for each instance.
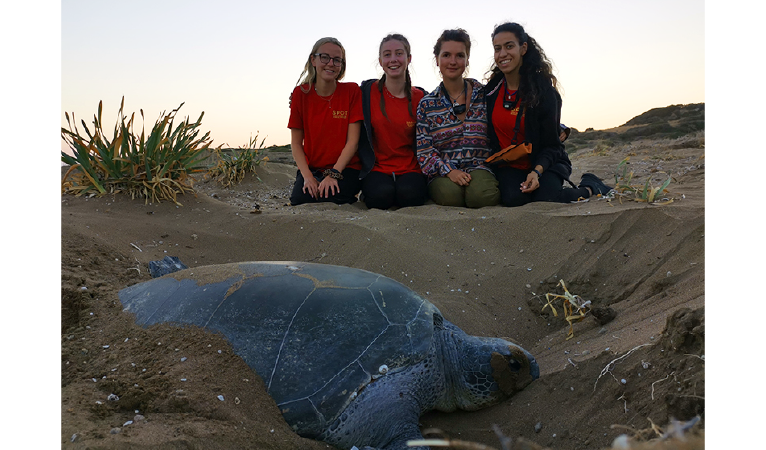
(510, 153)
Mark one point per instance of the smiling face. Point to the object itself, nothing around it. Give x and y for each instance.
(328, 72)
(394, 58)
(452, 60)
(508, 52)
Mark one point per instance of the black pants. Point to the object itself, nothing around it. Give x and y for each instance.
(381, 190)
(551, 188)
(349, 187)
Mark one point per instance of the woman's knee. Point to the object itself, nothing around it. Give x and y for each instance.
(349, 187)
(297, 196)
(483, 190)
(509, 181)
(378, 190)
(513, 199)
(446, 193)
(380, 197)
(411, 190)
(551, 189)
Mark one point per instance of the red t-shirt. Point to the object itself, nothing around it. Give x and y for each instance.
(394, 137)
(325, 121)
(504, 120)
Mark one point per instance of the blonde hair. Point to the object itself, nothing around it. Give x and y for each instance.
(309, 74)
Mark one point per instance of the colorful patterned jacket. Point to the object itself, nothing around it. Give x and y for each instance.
(444, 143)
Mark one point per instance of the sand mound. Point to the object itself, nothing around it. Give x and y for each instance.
(487, 270)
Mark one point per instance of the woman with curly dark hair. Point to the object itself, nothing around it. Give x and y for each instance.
(523, 114)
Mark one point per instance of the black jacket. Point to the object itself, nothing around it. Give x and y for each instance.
(541, 129)
(365, 151)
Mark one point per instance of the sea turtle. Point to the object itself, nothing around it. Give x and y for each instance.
(351, 357)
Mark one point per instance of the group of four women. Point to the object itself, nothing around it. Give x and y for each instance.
(464, 144)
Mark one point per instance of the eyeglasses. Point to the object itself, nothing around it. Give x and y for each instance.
(325, 58)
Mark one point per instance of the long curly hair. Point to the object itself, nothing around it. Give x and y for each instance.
(536, 70)
(309, 74)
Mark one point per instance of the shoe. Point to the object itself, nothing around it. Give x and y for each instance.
(595, 184)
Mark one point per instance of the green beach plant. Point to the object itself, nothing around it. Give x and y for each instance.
(646, 193)
(622, 177)
(155, 167)
(231, 166)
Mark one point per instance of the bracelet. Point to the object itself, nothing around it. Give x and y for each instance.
(333, 173)
(538, 173)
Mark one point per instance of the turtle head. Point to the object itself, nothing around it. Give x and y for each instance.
(487, 370)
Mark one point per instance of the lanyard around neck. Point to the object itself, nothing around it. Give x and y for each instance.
(459, 109)
(510, 107)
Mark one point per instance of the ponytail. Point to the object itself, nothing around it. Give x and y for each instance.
(381, 84)
(408, 91)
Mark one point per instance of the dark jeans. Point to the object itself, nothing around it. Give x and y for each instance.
(551, 188)
(382, 190)
(349, 187)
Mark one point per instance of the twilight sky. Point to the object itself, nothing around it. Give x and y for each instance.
(238, 61)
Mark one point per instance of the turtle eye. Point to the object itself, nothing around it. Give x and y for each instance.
(514, 365)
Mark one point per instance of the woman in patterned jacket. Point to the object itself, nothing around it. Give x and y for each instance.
(451, 131)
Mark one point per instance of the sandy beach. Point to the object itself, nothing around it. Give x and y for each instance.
(488, 270)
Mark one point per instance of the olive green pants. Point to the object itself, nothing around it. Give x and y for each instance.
(481, 191)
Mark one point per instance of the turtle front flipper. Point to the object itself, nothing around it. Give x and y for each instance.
(400, 443)
(384, 416)
(411, 432)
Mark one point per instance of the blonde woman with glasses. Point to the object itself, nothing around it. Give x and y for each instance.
(325, 123)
